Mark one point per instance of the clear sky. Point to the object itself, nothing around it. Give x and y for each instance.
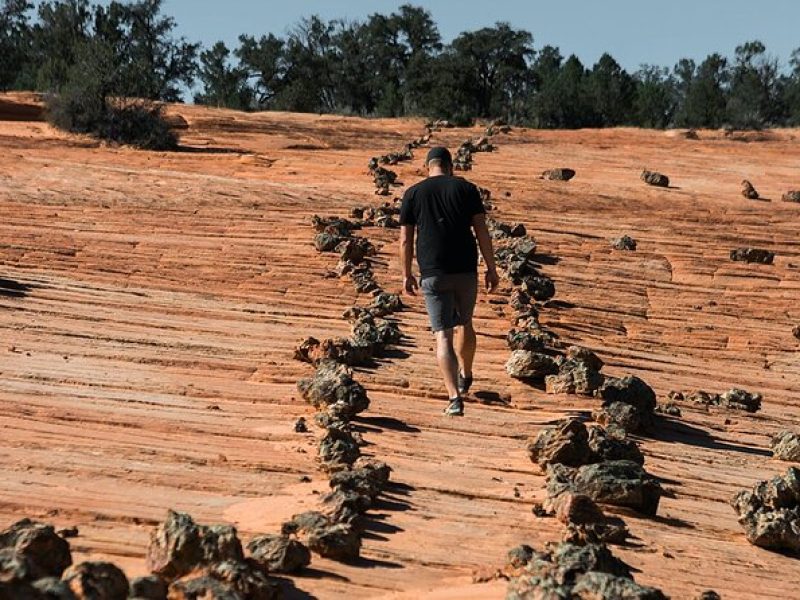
(633, 31)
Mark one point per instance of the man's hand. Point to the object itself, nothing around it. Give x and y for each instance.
(492, 280)
(410, 285)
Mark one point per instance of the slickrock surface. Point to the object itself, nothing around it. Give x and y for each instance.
(151, 303)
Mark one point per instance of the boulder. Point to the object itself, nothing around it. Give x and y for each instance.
(45, 553)
(151, 587)
(327, 242)
(629, 390)
(786, 446)
(339, 542)
(338, 449)
(540, 288)
(385, 304)
(567, 443)
(179, 545)
(753, 255)
(741, 400)
(605, 446)
(355, 250)
(791, 196)
(618, 483)
(333, 389)
(279, 553)
(748, 191)
(227, 580)
(524, 364)
(625, 242)
(579, 373)
(526, 339)
(341, 350)
(770, 512)
(619, 415)
(333, 225)
(654, 178)
(602, 586)
(97, 581)
(562, 174)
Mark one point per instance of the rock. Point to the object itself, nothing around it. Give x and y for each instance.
(562, 174)
(305, 523)
(97, 581)
(45, 552)
(520, 556)
(355, 250)
(752, 255)
(669, 408)
(338, 449)
(20, 590)
(628, 390)
(377, 333)
(333, 225)
(540, 288)
(625, 242)
(327, 242)
(227, 580)
(791, 196)
(341, 350)
(741, 400)
(567, 443)
(619, 483)
(524, 364)
(179, 545)
(300, 425)
(52, 588)
(604, 446)
(786, 446)
(770, 513)
(602, 586)
(338, 542)
(279, 553)
(586, 523)
(367, 477)
(385, 304)
(796, 331)
(151, 587)
(709, 595)
(748, 191)
(578, 374)
(655, 179)
(14, 567)
(524, 339)
(333, 389)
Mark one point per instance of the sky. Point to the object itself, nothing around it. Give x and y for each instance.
(632, 31)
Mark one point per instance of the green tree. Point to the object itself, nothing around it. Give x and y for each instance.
(611, 90)
(703, 92)
(15, 41)
(655, 97)
(263, 61)
(223, 85)
(790, 90)
(753, 99)
(61, 32)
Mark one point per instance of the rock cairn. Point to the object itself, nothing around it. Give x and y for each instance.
(770, 512)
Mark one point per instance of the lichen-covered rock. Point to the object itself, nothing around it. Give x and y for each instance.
(625, 242)
(567, 443)
(333, 389)
(279, 553)
(151, 587)
(654, 178)
(179, 545)
(338, 449)
(786, 446)
(562, 174)
(631, 391)
(605, 446)
(367, 477)
(770, 513)
(618, 483)
(227, 580)
(375, 332)
(46, 554)
(525, 339)
(520, 556)
(753, 255)
(748, 191)
(540, 288)
(602, 586)
(619, 415)
(97, 581)
(385, 304)
(355, 249)
(709, 595)
(586, 523)
(791, 196)
(741, 400)
(52, 588)
(327, 242)
(524, 364)
(339, 542)
(579, 373)
(334, 225)
(341, 350)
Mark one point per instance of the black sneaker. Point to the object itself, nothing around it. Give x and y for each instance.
(464, 383)
(455, 408)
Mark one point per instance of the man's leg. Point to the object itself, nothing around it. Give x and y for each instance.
(466, 342)
(448, 364)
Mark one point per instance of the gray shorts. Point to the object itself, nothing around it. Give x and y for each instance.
(450, 299)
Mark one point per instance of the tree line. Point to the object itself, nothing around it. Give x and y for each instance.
(385, 65)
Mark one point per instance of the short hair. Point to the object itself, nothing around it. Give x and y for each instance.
(439, 162)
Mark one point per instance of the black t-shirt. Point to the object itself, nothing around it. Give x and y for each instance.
(442, 208)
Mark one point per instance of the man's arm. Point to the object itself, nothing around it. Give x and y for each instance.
(407, 258)
(485, 244)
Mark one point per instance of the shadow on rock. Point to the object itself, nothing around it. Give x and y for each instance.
(668, 430)
(13, 289)
(381, 423)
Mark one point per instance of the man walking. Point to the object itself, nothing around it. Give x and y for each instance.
(441, 212)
